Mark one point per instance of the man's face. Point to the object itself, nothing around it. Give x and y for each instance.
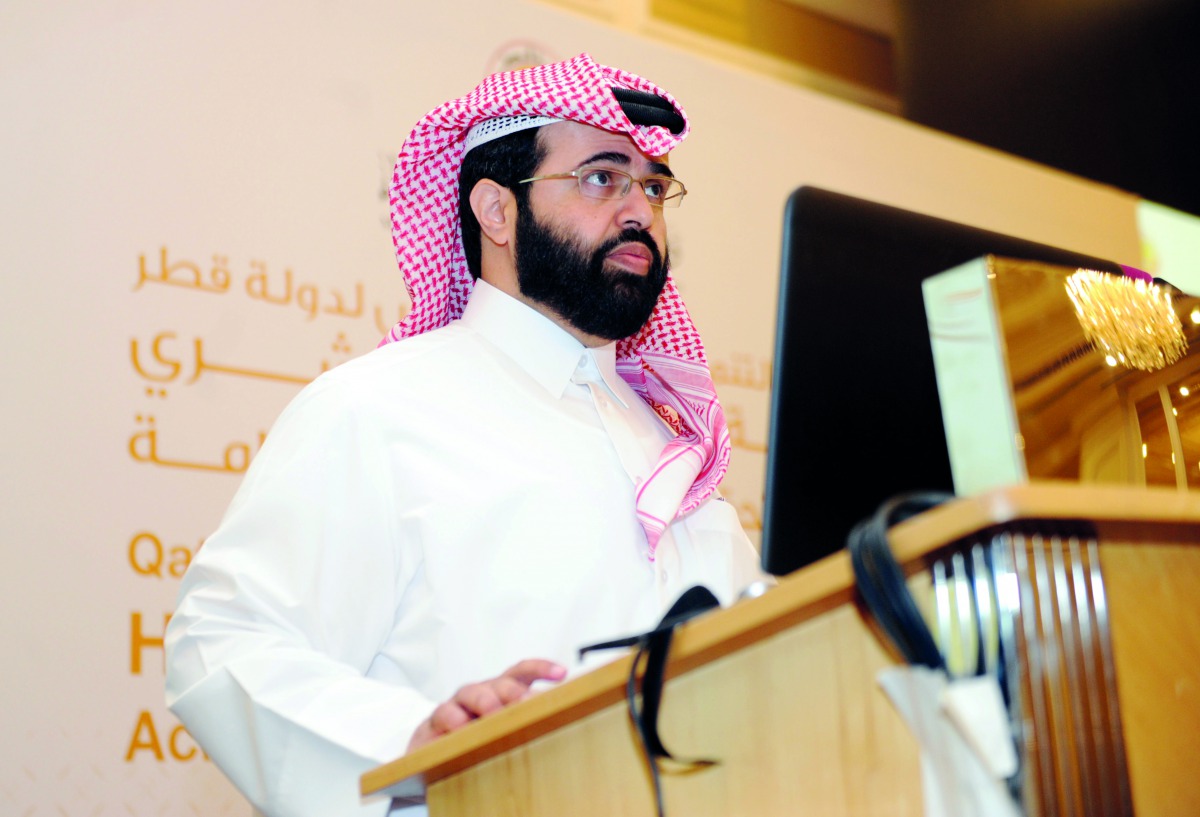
(600, 265)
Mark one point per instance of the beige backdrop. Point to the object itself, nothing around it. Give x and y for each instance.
(194, 223)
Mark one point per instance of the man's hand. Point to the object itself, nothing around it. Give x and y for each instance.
(476, 700)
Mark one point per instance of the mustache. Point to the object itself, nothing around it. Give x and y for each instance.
(627, 236)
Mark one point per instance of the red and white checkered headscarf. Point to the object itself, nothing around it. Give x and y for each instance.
(664, 363)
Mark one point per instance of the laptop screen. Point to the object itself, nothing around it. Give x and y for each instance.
(854, 412)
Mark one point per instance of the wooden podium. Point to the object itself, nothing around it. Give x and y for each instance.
(781, 688)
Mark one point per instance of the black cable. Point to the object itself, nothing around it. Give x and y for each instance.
(631, 697)
(881, 581)
(650, 664)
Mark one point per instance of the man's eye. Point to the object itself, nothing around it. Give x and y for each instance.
(656, 189)
(599, 178)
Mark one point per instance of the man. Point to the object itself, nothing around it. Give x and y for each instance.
(434, 527)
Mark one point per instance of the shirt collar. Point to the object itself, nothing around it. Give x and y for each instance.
(546, 351)
(605, 358)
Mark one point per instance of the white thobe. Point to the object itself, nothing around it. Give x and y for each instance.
(421, 518)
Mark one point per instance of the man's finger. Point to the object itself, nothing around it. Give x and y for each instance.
(509, 690)
(479, 699)
(476, 700)
(536, 669)
(448, 717)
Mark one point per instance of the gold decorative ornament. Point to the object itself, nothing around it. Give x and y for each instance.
(1133, 322)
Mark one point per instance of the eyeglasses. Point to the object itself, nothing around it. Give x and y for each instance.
(605, 183)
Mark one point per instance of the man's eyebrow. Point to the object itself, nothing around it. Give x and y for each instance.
(618, 158)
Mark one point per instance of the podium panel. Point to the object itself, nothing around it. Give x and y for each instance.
(1154, 596)
(781, 689)
(795, 721)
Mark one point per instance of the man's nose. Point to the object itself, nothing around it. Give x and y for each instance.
(636, 209)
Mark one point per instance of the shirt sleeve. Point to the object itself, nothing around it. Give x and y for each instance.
(283, 611)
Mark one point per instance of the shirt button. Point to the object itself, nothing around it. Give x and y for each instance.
(663, 577)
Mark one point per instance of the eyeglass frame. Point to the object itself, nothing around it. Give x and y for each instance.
(578, 173)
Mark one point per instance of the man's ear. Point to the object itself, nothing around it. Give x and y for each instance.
(495, 209)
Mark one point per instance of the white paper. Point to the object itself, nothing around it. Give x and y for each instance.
(961, 776)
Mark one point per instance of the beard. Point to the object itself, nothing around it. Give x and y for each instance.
(574, 282)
